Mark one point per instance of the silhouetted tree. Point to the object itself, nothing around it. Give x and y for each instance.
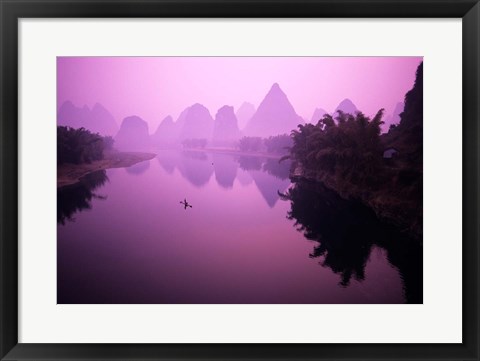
(347, 145)
(80, 145)
(407, 136)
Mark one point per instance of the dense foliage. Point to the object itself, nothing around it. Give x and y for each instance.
(278, 144)
(347, 145)
(80, 145)
(345, 153)
(407, 136)
(250, 144)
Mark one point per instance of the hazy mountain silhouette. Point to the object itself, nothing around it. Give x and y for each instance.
(317, 115)
(393, 118)
(181, 119)
(407, 137)
(166, 132)
(225, 127)
(133, 134)
(196, 122)
(275, 115)
(346, 106)
(97, 119)
(244, 114)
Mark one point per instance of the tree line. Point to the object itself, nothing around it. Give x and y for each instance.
(80, 145)
(345, 152)
(279, 144)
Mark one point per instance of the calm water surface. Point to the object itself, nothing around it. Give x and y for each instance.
(251, 237)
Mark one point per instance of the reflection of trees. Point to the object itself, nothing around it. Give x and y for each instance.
(278, 169)
(345, 232)
(78, 197)
(195, 155)
(250, 162)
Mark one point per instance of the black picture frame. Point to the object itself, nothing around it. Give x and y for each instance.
(13, 10)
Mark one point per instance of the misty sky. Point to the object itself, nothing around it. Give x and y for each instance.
(154, 87)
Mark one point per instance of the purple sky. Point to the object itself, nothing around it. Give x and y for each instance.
(154, 87)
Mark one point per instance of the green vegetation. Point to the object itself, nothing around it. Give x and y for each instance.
(345, 153)
(250, 144)
(278, 144)
(79, 146)
(347, 146)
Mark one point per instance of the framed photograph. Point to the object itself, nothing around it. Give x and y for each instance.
(239, 180)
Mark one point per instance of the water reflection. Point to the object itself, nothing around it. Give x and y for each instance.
(279, 169)
(269, 186)
(279, 270)
(138, 169)
(249, 163)
(269, 175)
(78, 197)
(345, 233)
(225, 168)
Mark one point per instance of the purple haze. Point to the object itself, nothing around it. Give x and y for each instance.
(153, 88)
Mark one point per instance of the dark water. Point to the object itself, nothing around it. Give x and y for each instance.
(251, 237)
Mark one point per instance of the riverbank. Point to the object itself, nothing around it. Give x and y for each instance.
(68, 174)
(392, 202)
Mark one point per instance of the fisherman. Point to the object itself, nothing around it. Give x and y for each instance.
(186, 204)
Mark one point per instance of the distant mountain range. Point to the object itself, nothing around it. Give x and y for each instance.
(274, 116)
(346, 106)
(97, 119)
(244, 113)
(133, 134)
(394, 118)
(226, 126)
(317, 115)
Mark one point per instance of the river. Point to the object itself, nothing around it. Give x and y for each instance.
(251, 236)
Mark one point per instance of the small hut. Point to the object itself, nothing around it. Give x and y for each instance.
(390, 153)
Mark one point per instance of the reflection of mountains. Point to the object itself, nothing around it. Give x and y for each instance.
(346, 232)
(78, 197)
(197, 167)
(139, 168)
